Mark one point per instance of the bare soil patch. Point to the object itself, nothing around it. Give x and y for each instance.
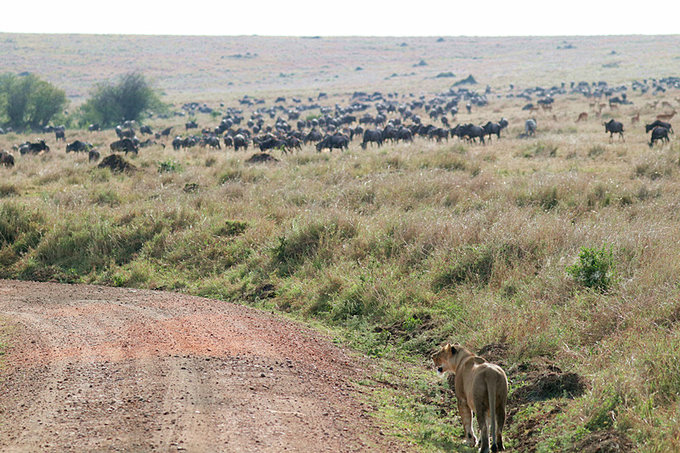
(102, 369)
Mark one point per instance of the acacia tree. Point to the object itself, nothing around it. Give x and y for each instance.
(28, 102)
(126, 100)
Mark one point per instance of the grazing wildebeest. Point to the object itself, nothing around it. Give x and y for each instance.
(93, 127)
(93, 155)
(492, 128)
(372, 136)
(469, 132)
(124, 133)
(125, 144)
(78, 146)
(530, 127)
(34, 148)
(177, 143)
(659, 134)
(338, 141)
(146, 130)
(613, 127)
(60, 133)
(191, 125)
(404, 134)
(240, 142)
(6, 159)
(166, 132)
(657, 123)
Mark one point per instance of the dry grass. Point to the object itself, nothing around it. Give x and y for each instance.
(401, 247)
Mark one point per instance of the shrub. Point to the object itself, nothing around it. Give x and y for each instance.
(126, 100)
(28, 102)
(594, 269)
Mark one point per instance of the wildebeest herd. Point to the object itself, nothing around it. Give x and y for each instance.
(374, 119)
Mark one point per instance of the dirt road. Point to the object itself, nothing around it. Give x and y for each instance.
(107, 369)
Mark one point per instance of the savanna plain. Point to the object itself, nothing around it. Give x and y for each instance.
(555, 255)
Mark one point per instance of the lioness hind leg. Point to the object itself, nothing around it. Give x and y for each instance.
(466, 416)
(500, 422)
(483, 433)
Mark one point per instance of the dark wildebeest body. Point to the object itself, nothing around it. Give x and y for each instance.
(146, 130)
(659, 134)
(93, 155)
(34, 148)
(240, 142)
(658, 123)
(126, 144)
(530, 127)
(6, 159)
(492, 128)
(372, 136)
(613, 127)
(338, 141)
(78, 146)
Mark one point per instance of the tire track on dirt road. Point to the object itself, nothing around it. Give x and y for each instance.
(109, 369)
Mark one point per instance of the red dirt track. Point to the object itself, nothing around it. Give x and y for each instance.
(107, 369)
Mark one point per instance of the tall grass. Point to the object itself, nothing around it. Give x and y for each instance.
(399, 249)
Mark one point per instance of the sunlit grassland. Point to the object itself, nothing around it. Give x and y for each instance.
(396, 249)
(399, 249)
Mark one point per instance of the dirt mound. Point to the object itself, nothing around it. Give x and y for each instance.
(551, 385)
(115, 162)
(495, 353)
(608, 441)
(261, 157)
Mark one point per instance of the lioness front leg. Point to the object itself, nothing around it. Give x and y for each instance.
(466, 416)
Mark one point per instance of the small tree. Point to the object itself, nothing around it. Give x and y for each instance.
(28, 102)
(127, 100)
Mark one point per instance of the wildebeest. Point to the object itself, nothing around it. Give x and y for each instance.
(78, 146)
(166, 132)
(657, 123)
(93, 127)
(492, 128)
(372, 136)
(146, 130)
(338, 141)
(6, 159)
(125, 144)
(240, 142)
(93, 155)
(530, 127)
(469, 132)
(60, 133)
(124, 133)
(613, 127)
(659, 134)
(191, 125)
(34, 148)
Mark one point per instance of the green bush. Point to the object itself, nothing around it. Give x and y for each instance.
(127, 100)
(28, 102)
(594, 269)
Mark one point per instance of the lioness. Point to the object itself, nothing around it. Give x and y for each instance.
(481, 387)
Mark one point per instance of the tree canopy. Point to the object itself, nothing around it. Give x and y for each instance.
(127, 99)
(26, 101)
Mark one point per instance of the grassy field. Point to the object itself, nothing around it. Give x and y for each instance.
(398, 249)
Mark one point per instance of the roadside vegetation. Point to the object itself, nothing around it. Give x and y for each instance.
(561, 265)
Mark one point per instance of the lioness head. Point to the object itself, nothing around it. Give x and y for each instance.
(443, 359)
